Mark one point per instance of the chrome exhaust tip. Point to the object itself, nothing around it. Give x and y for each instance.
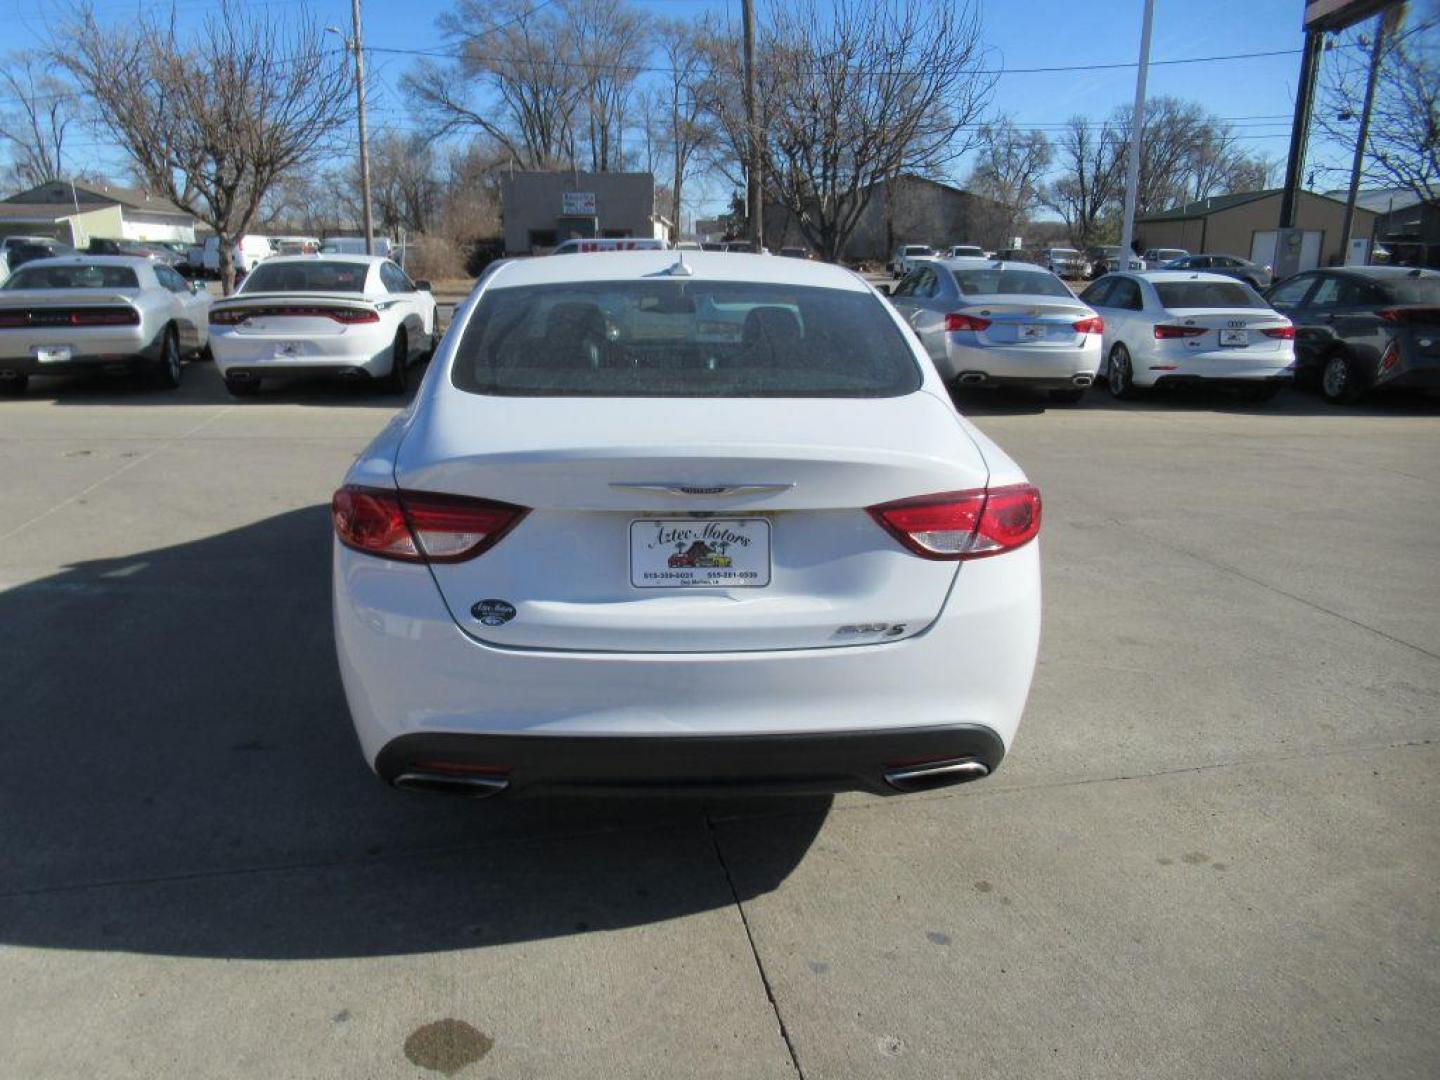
(468, 787)
(972, 377)
(935, 774)
(1083, 380)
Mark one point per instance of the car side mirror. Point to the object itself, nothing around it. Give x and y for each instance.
(423, 286)
(883, 289)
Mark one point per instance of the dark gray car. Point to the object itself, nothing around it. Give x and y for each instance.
(1256, 276)
(1361, 327)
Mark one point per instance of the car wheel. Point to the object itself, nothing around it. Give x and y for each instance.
(1340, 380)
(1066, 397)
(396, 381)
(14, 385)
(242, 387)
(167, 371)
(1119, 374)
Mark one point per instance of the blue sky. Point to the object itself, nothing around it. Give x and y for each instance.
(1256, 94)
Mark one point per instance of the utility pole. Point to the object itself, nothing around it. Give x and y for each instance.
(1137, 129)
(1359, 162)
(359, 47)
(1300, 128)
(754, 199)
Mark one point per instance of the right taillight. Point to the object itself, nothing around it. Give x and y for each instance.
(964, 524)
(1093, 325)
(956, 321)
(419, 526)
(1284, 333)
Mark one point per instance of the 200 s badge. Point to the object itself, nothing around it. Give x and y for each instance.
(493, 612)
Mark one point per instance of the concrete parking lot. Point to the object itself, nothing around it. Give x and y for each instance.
(1213, 852)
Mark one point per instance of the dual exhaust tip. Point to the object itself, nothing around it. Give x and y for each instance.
(920, 776)
(971, 378)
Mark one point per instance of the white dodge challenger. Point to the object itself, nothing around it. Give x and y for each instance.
(352, 316)
(683, 521)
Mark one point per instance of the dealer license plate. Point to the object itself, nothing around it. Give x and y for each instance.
(1235, 337)
(1031, 332)
(687, 553)
(53, 354)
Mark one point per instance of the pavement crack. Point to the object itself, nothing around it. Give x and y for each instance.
(138, 460)
(754, 951)
(1215, 565)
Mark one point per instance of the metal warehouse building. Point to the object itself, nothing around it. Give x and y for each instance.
(1245, 225)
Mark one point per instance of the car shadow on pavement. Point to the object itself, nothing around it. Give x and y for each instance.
(182, 779)
(200, 384)
(1291, 401)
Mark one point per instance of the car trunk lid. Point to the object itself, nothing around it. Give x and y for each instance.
(685, 489)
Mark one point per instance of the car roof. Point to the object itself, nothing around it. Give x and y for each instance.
(132, 261)
(1162, 277)
(975, 262)
(704, 266)
(324, 256)
(1382, 273)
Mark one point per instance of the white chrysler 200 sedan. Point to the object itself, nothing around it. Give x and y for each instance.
(683, 521)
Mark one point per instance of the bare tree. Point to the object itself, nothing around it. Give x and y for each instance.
(610, 36)
(1010, 170)
(213, 124)
(684, 98)
(1091, 179)
(854, 94)
(42, 108)
(1403, 148)
(516, 79)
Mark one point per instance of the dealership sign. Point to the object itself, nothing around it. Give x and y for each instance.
(577, 202)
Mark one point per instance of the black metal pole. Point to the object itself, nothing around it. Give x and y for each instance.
(754, 191)
(1300, 129)
(1361, 139)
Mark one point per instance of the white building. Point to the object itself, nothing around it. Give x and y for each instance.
(77, 212)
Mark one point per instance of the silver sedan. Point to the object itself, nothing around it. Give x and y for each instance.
(1002, 323)
(107, 312)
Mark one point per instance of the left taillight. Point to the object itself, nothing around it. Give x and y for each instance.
(419, 526)
(964, 524)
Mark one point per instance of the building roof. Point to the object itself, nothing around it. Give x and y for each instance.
(88, 194)
(1378, 200)
(50, 212)
(1202, 208)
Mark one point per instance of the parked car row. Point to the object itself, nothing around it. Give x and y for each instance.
(352, 316)
(1346, 330)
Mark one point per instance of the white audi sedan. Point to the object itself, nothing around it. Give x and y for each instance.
(352, 316)
(1002, 324)
(1168, 327)
(683, 521)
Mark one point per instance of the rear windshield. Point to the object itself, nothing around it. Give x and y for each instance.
(917, 249)
(344, 277)
(994, 281)
(1424, 290)
(73, 277)
(1207, 294)
(683, 339)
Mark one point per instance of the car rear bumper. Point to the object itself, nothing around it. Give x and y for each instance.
(1045, 366)
(881, 762)
(1216, 366)
(263, 356)
(409, 670)
(92, 352)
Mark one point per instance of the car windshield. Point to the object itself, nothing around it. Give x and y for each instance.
(917, 249)
(1207, 294)
(683, 339)
(995, 281)
(1418, 290)
(82, 276)
(344, 277)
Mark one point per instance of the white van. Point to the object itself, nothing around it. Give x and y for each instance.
(250, 251)
(355, 245)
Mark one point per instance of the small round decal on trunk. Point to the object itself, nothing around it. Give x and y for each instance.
(493, 612)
